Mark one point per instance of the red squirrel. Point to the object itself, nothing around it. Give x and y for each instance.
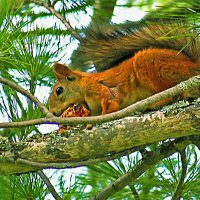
(137, 64)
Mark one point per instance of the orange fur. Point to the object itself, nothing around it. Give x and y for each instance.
(147, 72)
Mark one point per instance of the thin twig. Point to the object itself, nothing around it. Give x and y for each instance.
(49, 185)
(27, 94)
(179, 188)
(134, 192)
(139, 106)
(49, 2)
(54, 3)
(67, 24)
(164, 151)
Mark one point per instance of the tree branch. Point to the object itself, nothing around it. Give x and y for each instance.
(139, 106)
(27, 94)
(52, 10)
(164, 151)
(49, 185)
(178, 191)
(80, 147)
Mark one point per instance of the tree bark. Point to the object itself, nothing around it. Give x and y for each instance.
(79, 147)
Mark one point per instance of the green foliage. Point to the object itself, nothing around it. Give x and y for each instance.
(22, 187)
(99, 176)
(159, 182)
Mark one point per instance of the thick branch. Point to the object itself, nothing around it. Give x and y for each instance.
(78, 147)
(51, 9)
(164, 151)
(27, 94)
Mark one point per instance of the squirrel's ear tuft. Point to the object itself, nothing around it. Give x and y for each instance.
(60, 69)
(63, 71)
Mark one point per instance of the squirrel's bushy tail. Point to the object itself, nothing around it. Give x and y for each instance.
(106, 46)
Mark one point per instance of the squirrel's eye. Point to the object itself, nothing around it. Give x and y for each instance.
(75, 107)
(59, 90)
